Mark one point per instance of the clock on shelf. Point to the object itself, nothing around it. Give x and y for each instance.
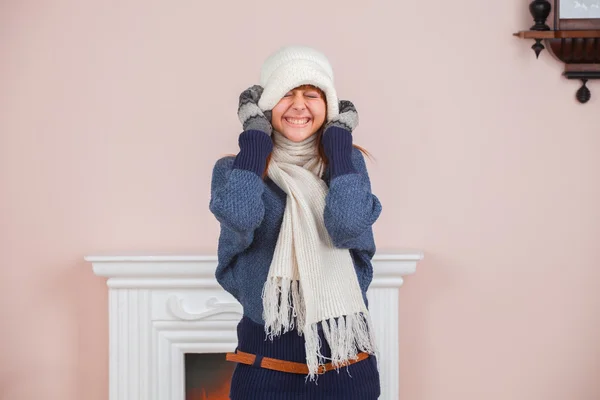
(570, 30)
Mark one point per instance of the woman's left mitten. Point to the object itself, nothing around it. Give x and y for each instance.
(347, 117)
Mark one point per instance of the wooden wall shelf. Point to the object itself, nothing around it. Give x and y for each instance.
(574, 42)
(558, 34)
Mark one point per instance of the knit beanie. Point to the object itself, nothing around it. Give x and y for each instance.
(293, 66)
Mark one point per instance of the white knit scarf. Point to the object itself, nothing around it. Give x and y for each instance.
(310, 280)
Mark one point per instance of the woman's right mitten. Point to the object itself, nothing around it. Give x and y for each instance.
(250, 115)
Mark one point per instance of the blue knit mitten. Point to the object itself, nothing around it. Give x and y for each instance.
(337, 140)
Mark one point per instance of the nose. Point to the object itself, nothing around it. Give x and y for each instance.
(299, 107)
(299, 104)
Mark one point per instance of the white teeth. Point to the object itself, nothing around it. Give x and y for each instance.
(297, 121)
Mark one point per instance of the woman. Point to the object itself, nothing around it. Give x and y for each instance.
(296, 243)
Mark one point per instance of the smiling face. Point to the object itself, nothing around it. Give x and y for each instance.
(300, 113)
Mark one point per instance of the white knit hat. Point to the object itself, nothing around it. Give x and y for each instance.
(293, 66)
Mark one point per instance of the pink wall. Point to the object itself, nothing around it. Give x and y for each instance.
(111, 116)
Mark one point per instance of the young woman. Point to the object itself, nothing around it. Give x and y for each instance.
(296, 214)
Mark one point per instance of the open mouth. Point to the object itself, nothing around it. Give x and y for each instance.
(297, 122)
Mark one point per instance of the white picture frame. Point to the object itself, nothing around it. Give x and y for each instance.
(579, 9)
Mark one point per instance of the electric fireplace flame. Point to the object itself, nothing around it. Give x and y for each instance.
(207, 376)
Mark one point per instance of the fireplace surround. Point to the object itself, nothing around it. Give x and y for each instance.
(162, 307)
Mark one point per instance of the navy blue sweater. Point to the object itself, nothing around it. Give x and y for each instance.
(250, 210)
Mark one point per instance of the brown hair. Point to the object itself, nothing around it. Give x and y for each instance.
(319, 134)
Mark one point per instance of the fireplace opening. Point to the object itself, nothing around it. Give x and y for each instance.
(207, 376)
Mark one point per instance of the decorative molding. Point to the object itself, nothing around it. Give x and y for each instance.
(162, 307)
(198, 271)
(174, 305)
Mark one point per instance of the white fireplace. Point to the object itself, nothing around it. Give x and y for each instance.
(162, 307)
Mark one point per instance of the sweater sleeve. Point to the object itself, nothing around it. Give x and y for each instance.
(236, 201)
(237, 185)
(350, 207)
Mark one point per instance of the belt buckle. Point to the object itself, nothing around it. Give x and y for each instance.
(322, 369)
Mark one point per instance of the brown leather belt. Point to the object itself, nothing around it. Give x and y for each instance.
(282, 365)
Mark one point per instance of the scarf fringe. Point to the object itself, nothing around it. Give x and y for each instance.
(283, 308)
(346, 336)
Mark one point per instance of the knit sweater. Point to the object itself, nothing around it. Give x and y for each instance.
(250, 211)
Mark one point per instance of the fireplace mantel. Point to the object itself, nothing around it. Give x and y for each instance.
(161, 307)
